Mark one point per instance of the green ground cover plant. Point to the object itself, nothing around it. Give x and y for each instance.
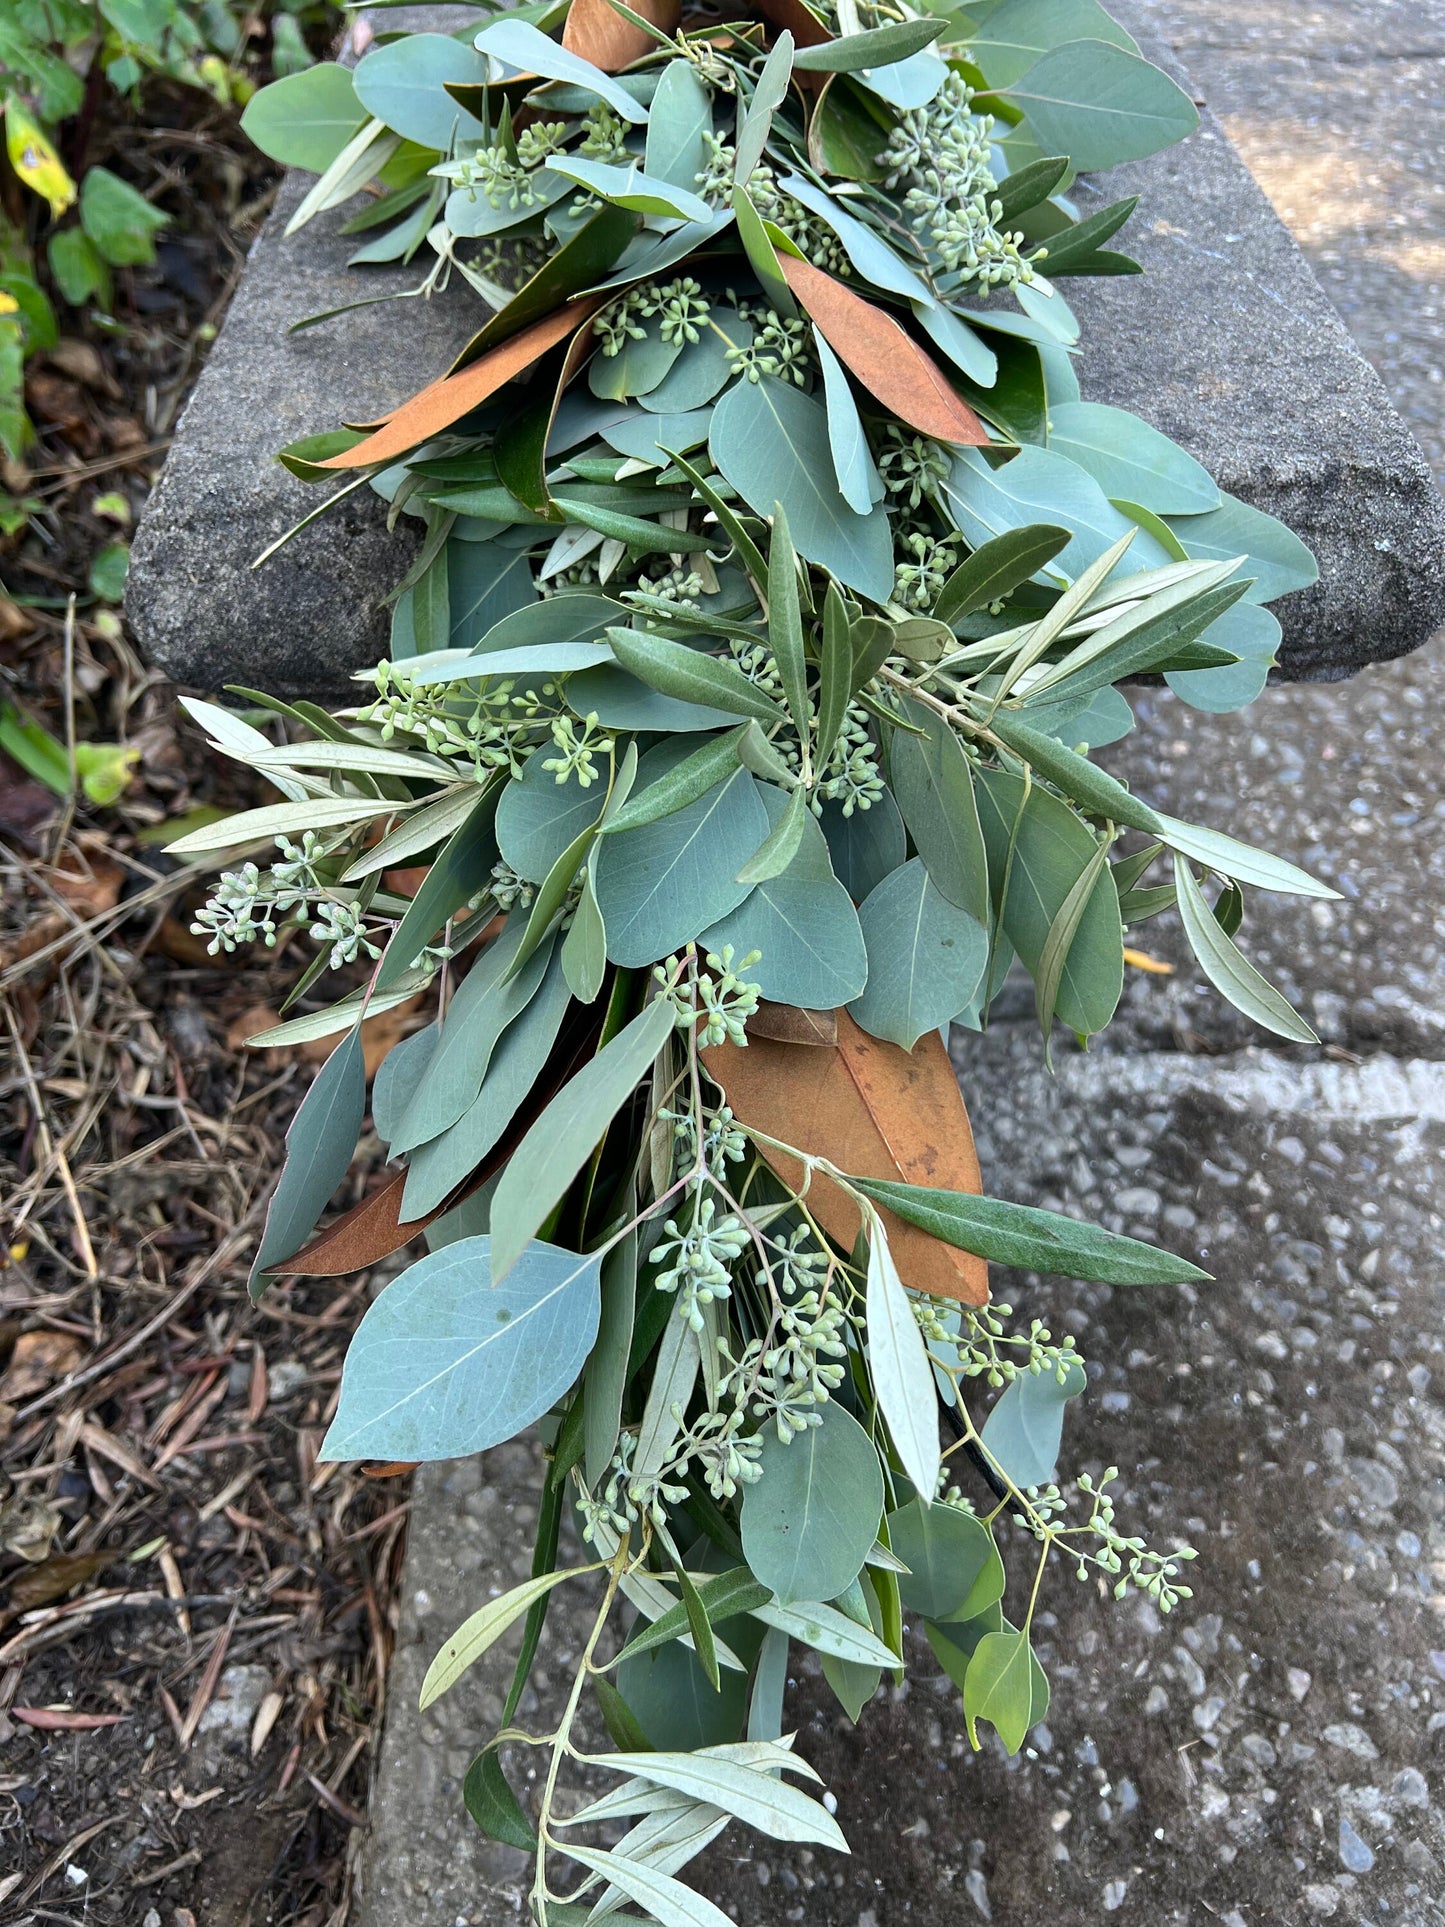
(777, 584)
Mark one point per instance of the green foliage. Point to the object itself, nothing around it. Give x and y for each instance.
(69, 236)
(741, 711)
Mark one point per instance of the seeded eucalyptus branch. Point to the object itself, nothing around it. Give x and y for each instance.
(776, 591)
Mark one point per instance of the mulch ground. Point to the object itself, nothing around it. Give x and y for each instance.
(195, 1617)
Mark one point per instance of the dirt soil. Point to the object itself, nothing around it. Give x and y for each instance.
(195, 1619)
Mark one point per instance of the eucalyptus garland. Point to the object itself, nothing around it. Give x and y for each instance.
(735, 738)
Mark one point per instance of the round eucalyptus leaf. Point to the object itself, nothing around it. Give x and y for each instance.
(812, 1518)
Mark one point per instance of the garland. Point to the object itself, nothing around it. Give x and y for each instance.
(775, 584)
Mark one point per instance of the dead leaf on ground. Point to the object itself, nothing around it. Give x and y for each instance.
(884, 356)
(598, 33)
(445, 401)
(39, 1358)
(874, 1111)
(25, 805)
(89, 882)
(60, 1719)
(53, 1578)
(28, 1528)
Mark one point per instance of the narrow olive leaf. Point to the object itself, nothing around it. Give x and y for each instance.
(568, 1131)
(1060, 941)
(279, 819)
(1129, 869)
(1027, 188)
(876, 47)
(606, 1370)
(998, 568)
(780, 846)
(483, 1629)
(551, 895)
(767, 98)
(835, 671)
(1069, 251)
(461, 870)
(690, 675)
(1232, 975)
(673, 1377)
(785, 622)
(722, 1597)
(749, 554)
(827, 1630)
(1080, 780)
(319, 1148)
(684, 783)
(700, 1628)
(666, 1900)
(1033, 1240)
(774, 1807)
(494, 1807)
(430, 826)
(617, 1716)
(1239, 861)
(898, 1359)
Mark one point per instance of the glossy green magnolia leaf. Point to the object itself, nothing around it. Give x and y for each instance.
(1129, 458)
(933, 782)
(568, 1131)
(926, 957)
(404, 85)
(810, 1521)
(946, 1552)
(771, 442)
(305, 119)
(1232, 975)
(1044, 848)
(319, 1148)
(1078, 249)
(453, 1358)
(657, 886)
(1032, 1240)
(899, 1364)
(1023, 1431)
(1101, 104)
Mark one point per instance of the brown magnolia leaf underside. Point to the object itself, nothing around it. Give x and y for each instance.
(805, 27)
(875, 1111)
(597, 32)
(788, 1024)
(884, 356)
(443, 402)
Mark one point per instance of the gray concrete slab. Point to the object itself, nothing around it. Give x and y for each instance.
(1227, 342)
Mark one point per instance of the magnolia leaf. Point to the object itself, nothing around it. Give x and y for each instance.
(885, 358)
(457, 1354)
(998, 568)
(899, 1365)
(565, 1135)
(811, 1520)
(445, 401)
(483, 1629)
(597, 33)
(872, 1110)
(319, 1148)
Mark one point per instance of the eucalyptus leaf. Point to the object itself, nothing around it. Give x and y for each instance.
(1022, 1432)
(320, 1145)
(926, 957)
(945, 1550)
(811, 1520)
(456, 1355)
